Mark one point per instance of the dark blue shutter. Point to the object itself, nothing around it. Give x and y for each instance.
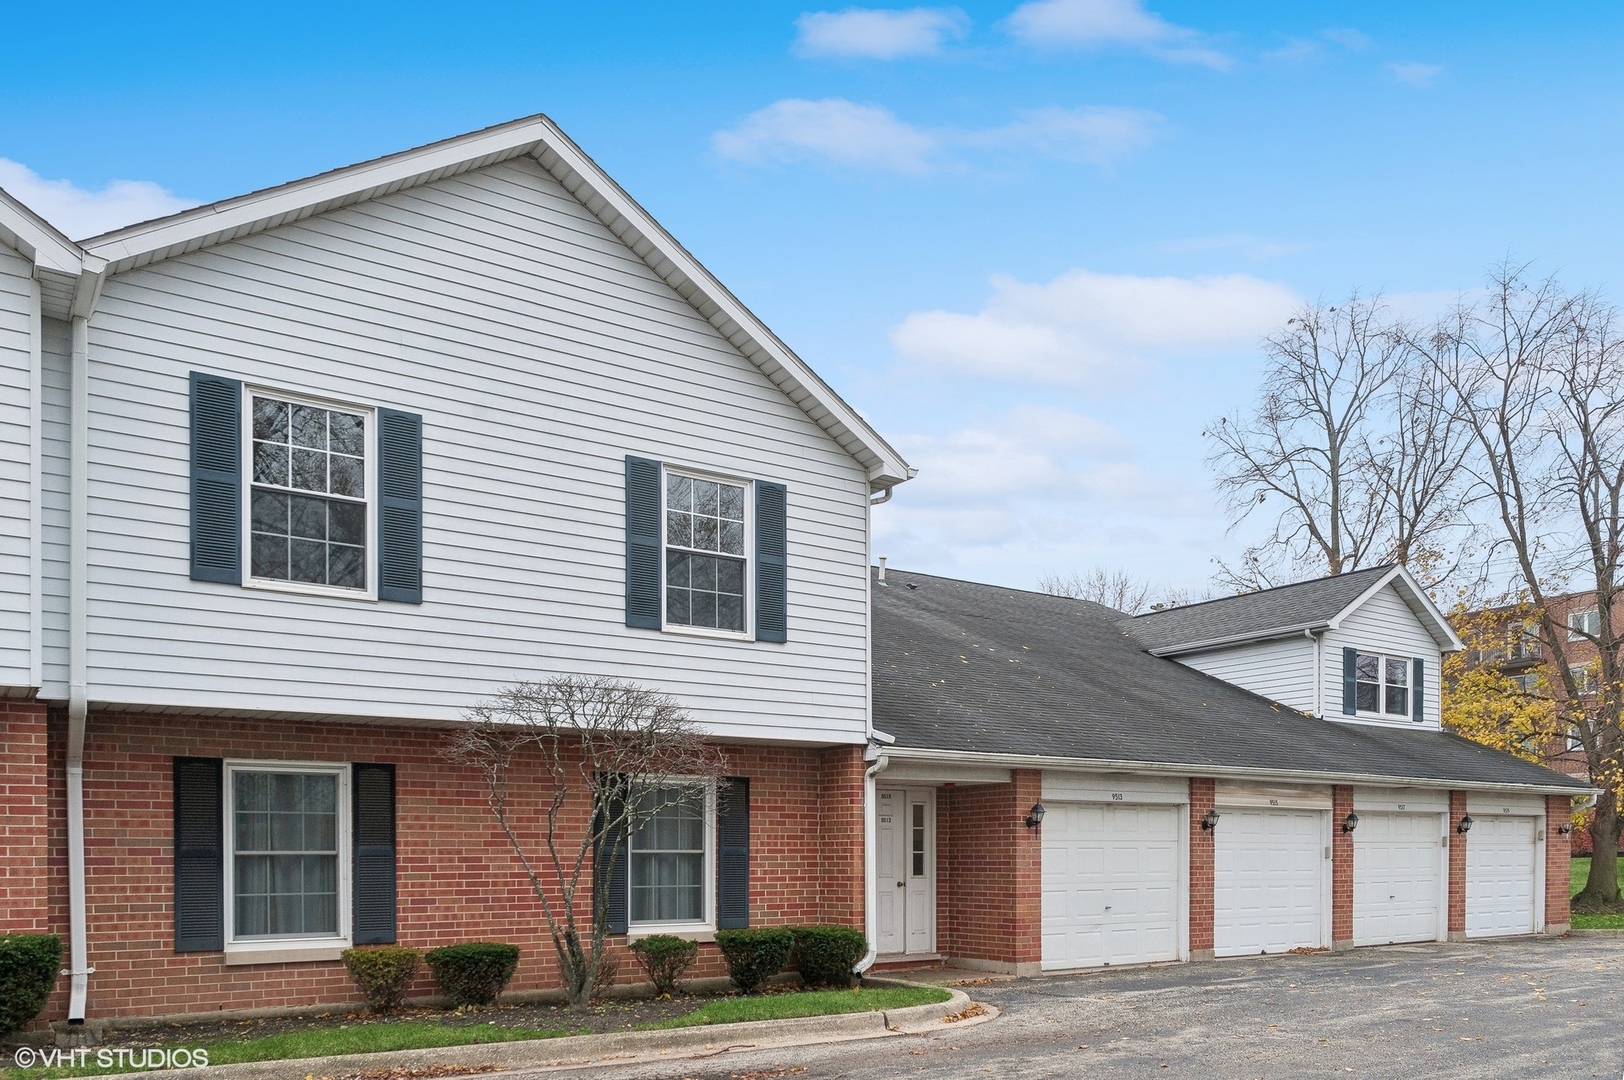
(216, 479)
(642, 543)
(199, 855)
(611, 893)
(1350, 680)
(400, 508)
(733, 853)
(772, 620)
(1418, 698)
(372, 825)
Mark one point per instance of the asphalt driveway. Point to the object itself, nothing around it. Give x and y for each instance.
(1536, 1008)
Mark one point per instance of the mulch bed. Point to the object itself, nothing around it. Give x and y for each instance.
(598, 1019)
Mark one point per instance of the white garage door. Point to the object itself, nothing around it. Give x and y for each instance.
(1110, 884)
(1501, 855)
(1268, 881)
(1397, 878)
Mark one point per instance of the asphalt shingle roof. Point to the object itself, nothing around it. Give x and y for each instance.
(1288, 607)
(980, 668)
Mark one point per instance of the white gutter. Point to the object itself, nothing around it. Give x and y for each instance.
(871, 925)
(78, 689)
(1039, 761)
(1256, 637)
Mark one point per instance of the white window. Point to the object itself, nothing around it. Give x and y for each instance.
(671, 857)
(1382, 685)
(1524, 642)
(287, 843)
(707, 566)
(310, 479)
(1527, 684)
(1585, 678)
(1575, 742)
(1583, 625)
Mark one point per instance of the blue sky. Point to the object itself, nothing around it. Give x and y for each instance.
(1035, 243)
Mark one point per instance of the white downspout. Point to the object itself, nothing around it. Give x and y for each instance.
(871, 924)
(78, 690)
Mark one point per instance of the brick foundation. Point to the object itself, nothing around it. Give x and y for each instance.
(1558, 853)
(989, 890)
(1341, 869)
(24, 828)
(1457, 867)
(1202, 795)
(457, 877)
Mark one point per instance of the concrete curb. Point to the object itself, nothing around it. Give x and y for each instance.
(575, 1051)
(1585, 932)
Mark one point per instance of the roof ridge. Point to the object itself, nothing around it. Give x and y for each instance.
(1383, 568)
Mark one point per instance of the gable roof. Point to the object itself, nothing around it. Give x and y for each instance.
(57, 260)
(967, 669)
(1285, 611)
(537, 136)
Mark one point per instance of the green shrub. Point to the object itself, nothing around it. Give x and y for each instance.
(29, 965)
(754, 956)
(475, 972)
(384, 973)
(825, 955)
(665, 959)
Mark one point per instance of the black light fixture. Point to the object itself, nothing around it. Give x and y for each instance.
(1564, 828)
(1034, 816)
(1465, 825)
(1350, 823)
(1210, 822)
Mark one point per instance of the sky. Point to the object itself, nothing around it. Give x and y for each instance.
(1035, 244)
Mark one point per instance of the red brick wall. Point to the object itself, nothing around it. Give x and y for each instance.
(1202, 794)
(989, 890)
(1457, 864)
(457, 876)
(840, 824)
(1558, 812)
(1341, 868)
(24, 828)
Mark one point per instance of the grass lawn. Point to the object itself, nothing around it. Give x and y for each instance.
(363, 1037)
(809, 1003)
(1579, 874)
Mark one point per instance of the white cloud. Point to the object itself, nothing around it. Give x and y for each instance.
(1349, 38)
(1094, 330)
(1106, 23)
(1414, 74)
(82, 213)
(873, 34)
(845, 134)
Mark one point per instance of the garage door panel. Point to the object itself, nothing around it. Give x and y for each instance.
(1501, 862)
(1268, 884)
(1110, 884)
(1397, 878)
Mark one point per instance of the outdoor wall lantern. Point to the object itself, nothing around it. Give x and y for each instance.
(1350, 823)
(1210, 822)
(1465, 825)
(1034, 816)
(1564, 828)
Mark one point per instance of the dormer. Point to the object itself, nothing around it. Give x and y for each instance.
(1362, 647)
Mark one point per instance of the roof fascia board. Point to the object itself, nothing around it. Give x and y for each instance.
(190, 230)
(1438, 626)
(1256, 637)
(1041, 761)
(36, 238)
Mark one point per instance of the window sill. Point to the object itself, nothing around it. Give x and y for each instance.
(285, 953)
(706, 632)
(704, 935)
(301, 588)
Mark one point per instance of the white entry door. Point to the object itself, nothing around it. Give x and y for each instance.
(1397, 878)
(1110, 884)
(1269, 874)
(1501, 867)
(905, 869)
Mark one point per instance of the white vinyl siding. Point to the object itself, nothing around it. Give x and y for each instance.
(56, 356)
(540, 352)
(17, 319)
(1385, 625)
(1280, 670)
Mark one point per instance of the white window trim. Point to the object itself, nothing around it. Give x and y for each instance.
(681, 926)
(1380, 715)
(293, 942)
(370, 559)
(1585, 616)
(749, 631)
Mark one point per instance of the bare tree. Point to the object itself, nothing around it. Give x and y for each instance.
(1114, 588)
(1538, 383)
(1352, 450)
(588, 744)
